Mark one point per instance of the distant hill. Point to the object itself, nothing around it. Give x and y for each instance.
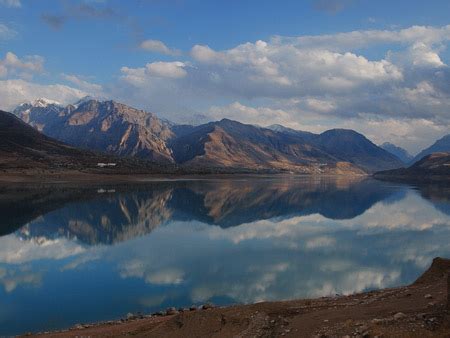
(232, 144)
(401, 153)
(435, 166)
(357, 149)
(225, 145)
(24, 148)
(441, 145)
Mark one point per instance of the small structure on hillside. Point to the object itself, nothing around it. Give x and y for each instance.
(104, 165)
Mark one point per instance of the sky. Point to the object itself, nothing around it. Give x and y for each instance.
(378, 67)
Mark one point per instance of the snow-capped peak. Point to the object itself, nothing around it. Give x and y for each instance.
(43, 102)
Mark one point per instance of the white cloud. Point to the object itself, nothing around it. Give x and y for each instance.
(12, 65)
(14, 92)
(411, 134)
(140, 76)
(11, 3)
(167, 69)
(245, 114)
(359, 39)
(158, 47)
(262, 69)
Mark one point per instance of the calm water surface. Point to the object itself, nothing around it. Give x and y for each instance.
(73, 254)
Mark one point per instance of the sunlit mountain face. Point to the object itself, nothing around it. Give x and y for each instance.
(109, 250)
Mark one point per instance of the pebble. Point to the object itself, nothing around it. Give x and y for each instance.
(428, 296)
(171, 311)
(421, 315)
(399, 315)
(362, 328)
(130, 316)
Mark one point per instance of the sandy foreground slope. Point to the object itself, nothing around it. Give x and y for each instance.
(417, 310)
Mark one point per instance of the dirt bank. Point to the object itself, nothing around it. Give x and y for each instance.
(417, 310)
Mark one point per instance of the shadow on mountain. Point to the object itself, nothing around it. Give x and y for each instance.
(111, 214)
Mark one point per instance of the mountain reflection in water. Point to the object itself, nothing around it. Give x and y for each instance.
(108, 250)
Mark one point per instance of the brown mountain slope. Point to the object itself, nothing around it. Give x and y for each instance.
(348, 145)
(106, 126)
(231, 144)
(24, 148)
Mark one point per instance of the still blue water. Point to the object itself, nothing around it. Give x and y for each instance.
(76, 254)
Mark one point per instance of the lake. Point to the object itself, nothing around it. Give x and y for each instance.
(71, 253)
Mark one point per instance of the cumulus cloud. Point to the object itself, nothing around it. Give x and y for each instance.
(158, 47)
(170, 70)
(26, 67)
(167, 69)
(262, 69)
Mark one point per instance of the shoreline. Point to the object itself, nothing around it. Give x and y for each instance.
(421, 309)
(68, 177)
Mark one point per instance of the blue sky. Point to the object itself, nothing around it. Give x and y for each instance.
(193, 61)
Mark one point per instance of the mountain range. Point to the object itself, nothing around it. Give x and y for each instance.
(120, 130)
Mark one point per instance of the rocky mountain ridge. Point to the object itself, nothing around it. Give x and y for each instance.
(118, 129)
(23, 148)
